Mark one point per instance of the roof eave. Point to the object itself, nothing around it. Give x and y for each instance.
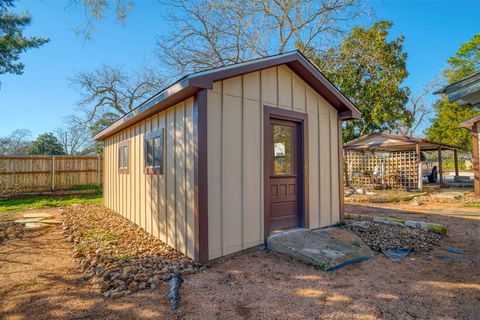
(295, 61)
(172, 95)
(191, 84)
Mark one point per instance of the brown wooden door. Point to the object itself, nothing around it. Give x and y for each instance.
(284, 174)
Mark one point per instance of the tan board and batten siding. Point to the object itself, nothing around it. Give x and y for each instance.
(163, 205)
(235, 155)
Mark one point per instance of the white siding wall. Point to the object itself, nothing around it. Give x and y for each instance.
(163, 205)
(235, 155)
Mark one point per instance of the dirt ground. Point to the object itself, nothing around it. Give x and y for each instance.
(40, 280)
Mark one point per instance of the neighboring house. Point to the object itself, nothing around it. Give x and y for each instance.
(220, 159)
(467, 92)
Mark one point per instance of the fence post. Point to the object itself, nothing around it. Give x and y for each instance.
(53, 172)
(98, 169)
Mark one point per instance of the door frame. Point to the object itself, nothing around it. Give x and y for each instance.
(303, 197)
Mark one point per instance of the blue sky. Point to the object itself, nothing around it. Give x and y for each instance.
(41, 98)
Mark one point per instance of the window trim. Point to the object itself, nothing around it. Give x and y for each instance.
(124, 170)
(150, 170)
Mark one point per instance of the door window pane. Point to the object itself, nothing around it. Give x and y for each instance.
(283, 150)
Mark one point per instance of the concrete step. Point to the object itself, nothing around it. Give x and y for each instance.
(329, 249)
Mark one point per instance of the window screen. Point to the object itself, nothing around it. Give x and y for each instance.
(154, 152)
(123, 157)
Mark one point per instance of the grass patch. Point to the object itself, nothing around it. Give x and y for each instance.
(474, 204)
(340, 224)
(17, 204)
(123, 256)
(321, 267)
(96, 187)
(99, 235)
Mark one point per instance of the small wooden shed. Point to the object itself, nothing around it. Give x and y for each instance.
(220, 159)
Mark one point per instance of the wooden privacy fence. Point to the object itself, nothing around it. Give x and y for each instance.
(38, 173)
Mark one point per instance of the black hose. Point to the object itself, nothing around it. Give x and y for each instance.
(175, 282)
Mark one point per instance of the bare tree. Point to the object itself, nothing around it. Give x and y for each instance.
(16, 143)
(419, 108)
(95, 10)
(113, 90)
(75, 137)
(217, 33)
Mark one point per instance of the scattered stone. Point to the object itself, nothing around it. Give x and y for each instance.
(364, 226)
(156, 281)
(118, 294)
(433, 227)
(133, 286)
(99, 271)
(416, 202)
(101, 284)
(393, 222)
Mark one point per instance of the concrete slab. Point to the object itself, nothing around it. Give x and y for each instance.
(50, 221)
(35, 225)
(27, 220)
(330, 249)
(38, 215)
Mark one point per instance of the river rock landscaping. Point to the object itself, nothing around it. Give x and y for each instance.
(380, 236)
(116, 255)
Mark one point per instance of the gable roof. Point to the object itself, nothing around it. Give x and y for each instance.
(187, 86)
(391, 142)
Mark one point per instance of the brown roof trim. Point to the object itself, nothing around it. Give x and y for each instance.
(200, 177)
(191, 84)
(295, 61)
